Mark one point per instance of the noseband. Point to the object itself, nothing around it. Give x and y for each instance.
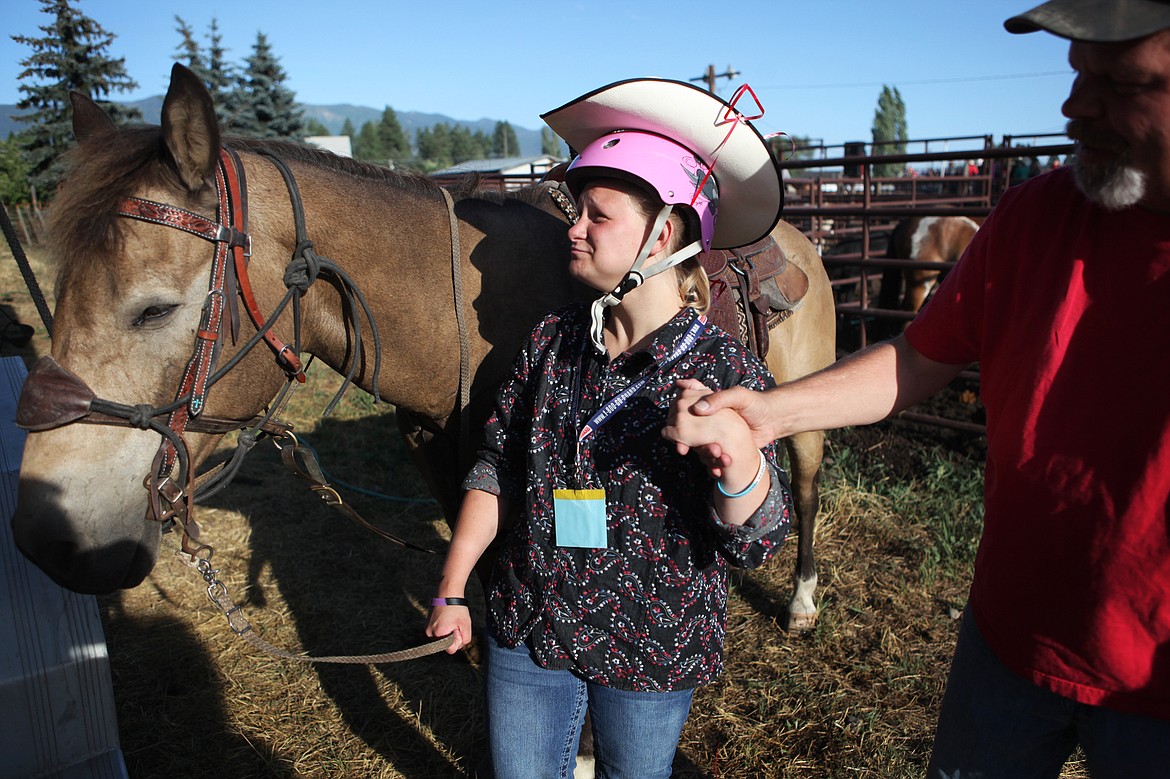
(54, 396)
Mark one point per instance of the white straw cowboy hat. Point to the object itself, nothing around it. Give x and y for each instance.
(721, 137)
(1096, 21)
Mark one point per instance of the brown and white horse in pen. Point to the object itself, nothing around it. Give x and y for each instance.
(939, 239)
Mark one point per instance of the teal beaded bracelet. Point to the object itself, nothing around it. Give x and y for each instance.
(755, 481)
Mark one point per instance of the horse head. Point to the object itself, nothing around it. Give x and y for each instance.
(130, 309)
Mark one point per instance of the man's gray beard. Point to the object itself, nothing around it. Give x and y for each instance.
(1114, 186)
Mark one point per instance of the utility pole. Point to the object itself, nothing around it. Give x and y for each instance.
(711, 75)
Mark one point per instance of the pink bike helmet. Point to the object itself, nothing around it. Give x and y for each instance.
(706, 132)
(673, 171)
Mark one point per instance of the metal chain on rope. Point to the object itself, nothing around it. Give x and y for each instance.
(217, 592)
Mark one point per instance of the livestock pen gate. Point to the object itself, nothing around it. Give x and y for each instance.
(848, 212)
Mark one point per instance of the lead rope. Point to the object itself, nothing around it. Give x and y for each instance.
(461, 322)
(217, 592)
(30, 279)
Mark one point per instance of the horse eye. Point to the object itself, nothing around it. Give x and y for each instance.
(152, 314)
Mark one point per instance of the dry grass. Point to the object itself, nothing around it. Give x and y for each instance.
(856, 697)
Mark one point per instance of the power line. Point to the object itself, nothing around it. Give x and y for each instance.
(960, 80)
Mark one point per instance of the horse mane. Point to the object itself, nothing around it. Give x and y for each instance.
(105, 168)
(470, 186)
(463, 187)
(290, 151)
(99, 172)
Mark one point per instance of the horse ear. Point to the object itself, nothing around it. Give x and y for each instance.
(88, 117)
(189, 128)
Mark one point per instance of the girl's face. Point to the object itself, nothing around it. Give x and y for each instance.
(607, 236)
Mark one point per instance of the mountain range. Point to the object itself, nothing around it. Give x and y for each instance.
(333, 117)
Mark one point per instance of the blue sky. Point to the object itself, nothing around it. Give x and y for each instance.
(817, 67)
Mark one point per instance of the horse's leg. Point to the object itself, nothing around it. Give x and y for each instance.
(918, 286)
(805, 452)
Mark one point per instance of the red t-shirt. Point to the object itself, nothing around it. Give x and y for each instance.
(1066, 306)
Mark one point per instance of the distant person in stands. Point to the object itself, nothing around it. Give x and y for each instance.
(1021, 171)
(1063, 297)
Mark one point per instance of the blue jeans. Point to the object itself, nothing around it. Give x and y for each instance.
(997, 725)
(535, 715)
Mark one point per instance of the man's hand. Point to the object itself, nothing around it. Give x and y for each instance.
(696, 400)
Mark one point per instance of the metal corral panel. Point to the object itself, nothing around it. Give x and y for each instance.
(55, 689)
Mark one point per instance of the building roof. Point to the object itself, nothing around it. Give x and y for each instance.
(537, 164)
(338, 144)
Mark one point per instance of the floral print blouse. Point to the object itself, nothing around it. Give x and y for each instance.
(648, 612)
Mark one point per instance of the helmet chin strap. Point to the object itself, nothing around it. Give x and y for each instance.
(635, 277)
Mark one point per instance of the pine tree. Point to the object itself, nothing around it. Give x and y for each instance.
(368, 145)
(71, 57)
(347, 128)
(188, 49)
(314, 127)
(504, 143)
(209, 66)
(220, 78)
(550, 144)
(394, 144)
(434, 145)
(269, 109)
(13, 173)
(889, 124)
(467, 146)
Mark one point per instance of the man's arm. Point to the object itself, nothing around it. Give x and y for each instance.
(861, 389)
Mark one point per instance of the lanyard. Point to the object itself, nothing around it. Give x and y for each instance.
(615, 404)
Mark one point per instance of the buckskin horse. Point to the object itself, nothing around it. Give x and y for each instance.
(133, 227)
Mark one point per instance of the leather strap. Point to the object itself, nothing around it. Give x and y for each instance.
(461, 322)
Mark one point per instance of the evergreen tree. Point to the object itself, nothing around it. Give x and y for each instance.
(394, 145)
(466, 146)
(220, 78)
(482, 144)
(550, 144)
(504, 143)
(13, 173)
(210, 67)
(794, 147)
(347, 128)
(434, 146)
(269, 109)
(889, 124)
(189, 52)
(71, 57)
(368, 145)
(314, 127)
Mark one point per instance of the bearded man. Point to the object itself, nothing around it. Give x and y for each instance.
(1063, 298)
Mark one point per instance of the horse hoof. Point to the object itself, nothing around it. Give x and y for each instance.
(800, 623)
(585, 768)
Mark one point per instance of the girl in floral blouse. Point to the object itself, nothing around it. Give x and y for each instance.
(610, 593)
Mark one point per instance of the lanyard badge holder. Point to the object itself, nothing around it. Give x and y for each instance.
(579, 515)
